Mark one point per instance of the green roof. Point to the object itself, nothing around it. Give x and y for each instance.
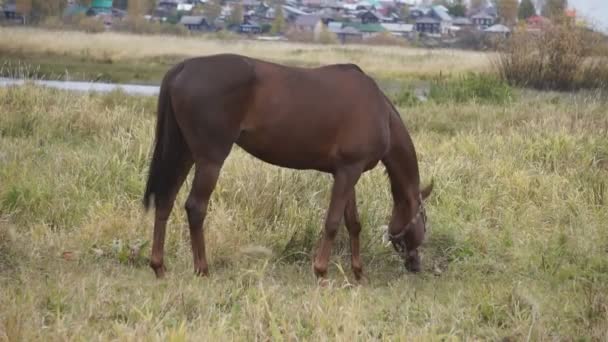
(366, 27)
(101, 4)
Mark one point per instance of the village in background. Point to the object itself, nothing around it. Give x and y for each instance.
(474, 24)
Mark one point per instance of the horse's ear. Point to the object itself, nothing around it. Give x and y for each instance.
(427, 190)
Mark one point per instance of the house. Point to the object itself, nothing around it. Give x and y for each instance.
(291, 13)
(483, 20)
(196, 23)
(312, 3)
(537, 22)
(428, 25)
(418, 12)
(10, 13)
(462, 22)
(367, 30)
(369, 17)
(308, 23)
(250, 28)
(250, 4)
(400, 30)
(445, 20)
(498, 30)
(347, 34)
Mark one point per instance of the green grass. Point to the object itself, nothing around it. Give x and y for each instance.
(517, 247)
(85, 68)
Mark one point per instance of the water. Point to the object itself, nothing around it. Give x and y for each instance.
(132, 89)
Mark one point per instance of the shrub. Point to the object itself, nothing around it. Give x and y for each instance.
(385, 38)
(136, 25)
(560, 57)
(52, 23)
(299, 36)
(91, 25)
(326, 36)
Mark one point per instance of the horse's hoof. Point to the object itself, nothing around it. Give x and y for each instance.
(159, 270)
(362, 280)
(201, 272)
(322, 282)
(413, 264)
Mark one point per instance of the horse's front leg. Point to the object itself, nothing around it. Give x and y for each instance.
(351, 219)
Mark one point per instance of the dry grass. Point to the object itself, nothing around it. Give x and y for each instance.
(516, 249)
(117, 47)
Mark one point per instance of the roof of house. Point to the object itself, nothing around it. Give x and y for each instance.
(537, 19)
(427, 20)
(482, 15)
(367, 27)
(307, 20)
(10, 8)
(424, 10)
(442, 13)
(398, 27)
(462, 21)
(192, 20)
(293, 10)
(349, 30)
(250, 2)
(101, 3)
(498, 28)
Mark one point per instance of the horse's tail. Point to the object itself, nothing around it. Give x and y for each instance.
(169, 145)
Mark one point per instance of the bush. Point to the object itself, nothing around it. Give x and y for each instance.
(295, 35)
(91, 25)
(326, 36)
(385, 38)
(52, 23)
(172, 29)
(137, 25)
(561, 57)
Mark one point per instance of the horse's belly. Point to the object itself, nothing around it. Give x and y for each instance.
(289, 151)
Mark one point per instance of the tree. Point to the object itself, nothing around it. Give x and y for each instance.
(507, 11)
(477, 5)
(236, 17)
(135, 8)
(212, 10)
(526, 9)
(554, 8)
(36, 10)
(24, 7)
(405, 12)
(122, 4)
(457, 9)
(278, 24)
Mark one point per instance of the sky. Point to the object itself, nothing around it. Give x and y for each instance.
(596, 11)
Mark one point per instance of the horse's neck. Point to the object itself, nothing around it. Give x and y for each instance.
(401, 164)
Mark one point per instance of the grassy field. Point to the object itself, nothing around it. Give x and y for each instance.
(120, 57)
(517, 247)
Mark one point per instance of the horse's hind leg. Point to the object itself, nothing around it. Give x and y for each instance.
(205, 179)
(351, 219)
(344, 184)
(164, 205)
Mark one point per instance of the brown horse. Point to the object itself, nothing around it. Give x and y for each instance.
(332, 119)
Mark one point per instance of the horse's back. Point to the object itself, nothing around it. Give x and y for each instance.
(314, 118)
(305, 118)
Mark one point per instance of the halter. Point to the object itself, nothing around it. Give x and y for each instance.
(397, 240)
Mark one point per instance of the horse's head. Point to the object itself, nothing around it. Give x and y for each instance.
(411, 235)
